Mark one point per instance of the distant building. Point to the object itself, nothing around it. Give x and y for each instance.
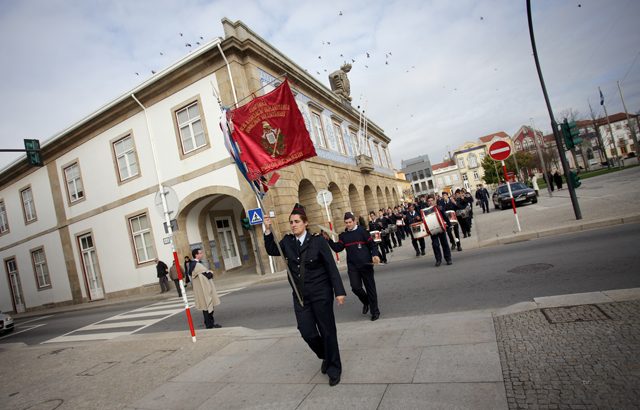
(418, 172)
(447, 176)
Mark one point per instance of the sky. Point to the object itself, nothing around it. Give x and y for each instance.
(433, 74)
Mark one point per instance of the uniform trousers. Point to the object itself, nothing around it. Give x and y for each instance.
(368, 297)
(317, 326)
(416, 242)
(441, 240)
(451, 231)
(465, 225)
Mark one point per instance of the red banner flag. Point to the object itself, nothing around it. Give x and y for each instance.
(270, 132)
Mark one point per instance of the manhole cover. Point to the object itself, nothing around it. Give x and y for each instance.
(570, 314)
(531, 268)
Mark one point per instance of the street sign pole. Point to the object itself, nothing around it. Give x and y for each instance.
(513, 201)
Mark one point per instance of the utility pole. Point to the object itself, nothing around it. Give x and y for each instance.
(600, 142)
(554, 124)
(632, 127)
(614, 151)
(542, 164)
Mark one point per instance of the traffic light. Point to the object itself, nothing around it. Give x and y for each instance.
(575, 179)
(33, 152)
(570, 133)
(245, 223)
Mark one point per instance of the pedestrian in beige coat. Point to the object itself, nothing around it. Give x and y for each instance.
(204, 290)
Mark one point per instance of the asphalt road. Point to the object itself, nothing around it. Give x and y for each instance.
(484, 278)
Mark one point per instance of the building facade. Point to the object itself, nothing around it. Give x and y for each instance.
(418, 172)
(86, 225)
(447, 176)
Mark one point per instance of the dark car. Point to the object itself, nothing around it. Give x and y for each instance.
(521, 193)
(6, 323)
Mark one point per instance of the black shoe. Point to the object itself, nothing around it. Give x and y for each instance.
(375, 317)
(464, 235)
(422, 252)
(334, 380)
(417, 254)
(216, 326)
(324, 366)
(438, 263)
(449, 262)
(365, 309)
(459, 247)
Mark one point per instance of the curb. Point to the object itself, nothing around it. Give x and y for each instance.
(585, 226)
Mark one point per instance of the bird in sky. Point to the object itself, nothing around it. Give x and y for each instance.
(137, 73)
(187, 45)
(180, 34)
(368, 55)
(153, 72)
(340, 14)
(319, 57)
(161, 53)
(201, 38)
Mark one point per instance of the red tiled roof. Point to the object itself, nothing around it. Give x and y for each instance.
(442, 165)
(621, 116)
(488, 138)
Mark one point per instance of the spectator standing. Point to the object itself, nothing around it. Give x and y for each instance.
(162, 271)
(204, 290)
(173, 274)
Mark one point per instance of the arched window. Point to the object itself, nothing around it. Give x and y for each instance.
(473, 161)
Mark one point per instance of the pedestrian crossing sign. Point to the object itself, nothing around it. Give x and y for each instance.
(255, 216)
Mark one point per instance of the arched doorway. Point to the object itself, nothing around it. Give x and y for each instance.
(381, 200)
(307, 197)
(337, 208)
(210, 220)
(356, 204)
(394, 194)
(370, 203)
(387, 195)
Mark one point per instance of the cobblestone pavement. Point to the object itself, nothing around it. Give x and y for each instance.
(577, 357)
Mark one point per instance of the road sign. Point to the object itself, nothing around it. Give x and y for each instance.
(255, 216)
(173, 203)
(324, 197)
(499, 150)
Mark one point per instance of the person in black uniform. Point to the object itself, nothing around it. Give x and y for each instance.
(412, 217)
(440, 240)
(448, 204)
(375, 225)
(362, 254)
(317, 280)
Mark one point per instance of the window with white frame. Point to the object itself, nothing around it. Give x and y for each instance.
(142, 238)
(28, 205)
(455, 178)
(190, 128)
(318, 129)
(475, 175)
(4, 220)
(354, 144)
(40, 268)
(126, 158)
(377, 157)
(73, 179)
(460, 162)
(447, 179)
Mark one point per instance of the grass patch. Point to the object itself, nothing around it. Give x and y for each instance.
(589, 174)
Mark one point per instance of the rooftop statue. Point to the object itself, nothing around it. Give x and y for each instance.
(340, 82)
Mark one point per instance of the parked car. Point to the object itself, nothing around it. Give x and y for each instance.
(6, 323)
(521, 193)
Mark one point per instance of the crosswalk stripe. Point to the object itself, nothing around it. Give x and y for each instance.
(154, 313)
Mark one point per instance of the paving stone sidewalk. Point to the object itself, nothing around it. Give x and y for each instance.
(572, 357)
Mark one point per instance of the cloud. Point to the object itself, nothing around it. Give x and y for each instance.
(457, 70)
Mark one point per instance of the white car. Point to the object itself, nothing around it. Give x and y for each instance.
(6, 323)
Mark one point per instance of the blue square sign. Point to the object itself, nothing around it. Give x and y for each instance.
(255, 216)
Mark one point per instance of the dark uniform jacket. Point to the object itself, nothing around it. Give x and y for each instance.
(360, 248)
(321, 277)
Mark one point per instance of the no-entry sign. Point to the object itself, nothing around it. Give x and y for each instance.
(499, 150)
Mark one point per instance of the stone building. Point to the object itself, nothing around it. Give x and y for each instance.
(85, 226)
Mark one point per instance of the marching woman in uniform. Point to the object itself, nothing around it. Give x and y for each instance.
(316, 277)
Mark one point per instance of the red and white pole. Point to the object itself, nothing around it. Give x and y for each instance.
(183, 291)
(513, 201)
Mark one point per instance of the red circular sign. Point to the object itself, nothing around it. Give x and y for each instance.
(499, 150)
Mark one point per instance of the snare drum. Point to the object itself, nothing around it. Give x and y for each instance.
(399, 222)
(376, 236)
(453, 218)
(434, 221)
(418, 230)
